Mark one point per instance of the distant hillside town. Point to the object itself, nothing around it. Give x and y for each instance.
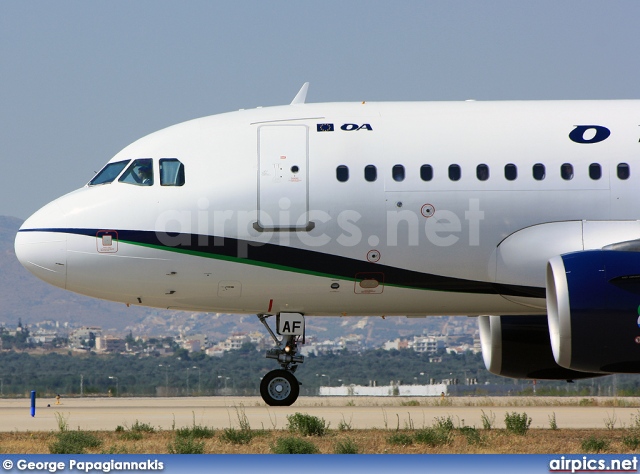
(52, 335)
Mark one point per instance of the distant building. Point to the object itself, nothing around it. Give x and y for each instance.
(235, 341)
(422, 344)
(462, 348)
(84, 337)
(190, 342)
(42, 338)
(110, 344)
(215, 351)
(396, 344)
(159, 351)
(477, 346)
(192, 345)
(257, 338)
(352, 342)
(42, 335)
(320, 348)
(428, 344)
(393, 390)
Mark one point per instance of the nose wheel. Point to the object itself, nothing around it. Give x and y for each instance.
(279, 388)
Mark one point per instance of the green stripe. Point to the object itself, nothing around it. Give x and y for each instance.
(257, 263)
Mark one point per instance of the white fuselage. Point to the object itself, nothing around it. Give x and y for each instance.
(279, 212)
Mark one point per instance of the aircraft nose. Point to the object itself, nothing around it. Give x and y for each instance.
(42, 250)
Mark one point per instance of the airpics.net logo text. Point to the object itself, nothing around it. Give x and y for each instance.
(586, 464)
(318, 228)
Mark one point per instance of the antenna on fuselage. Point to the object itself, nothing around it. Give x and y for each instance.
(301, 96)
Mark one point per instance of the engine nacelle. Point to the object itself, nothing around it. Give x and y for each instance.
(519, 347)
(593, 300)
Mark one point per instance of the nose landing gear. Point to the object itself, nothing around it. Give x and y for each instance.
(280, 387)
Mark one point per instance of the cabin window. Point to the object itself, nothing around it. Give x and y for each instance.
(107, 174)
(171, 172)
(426, 172)
(595, 171)
(510, 172)
(482, 172)
(455, 173)
(370, 173)
(566, 171)
(140, 173)
(623, 171)
(398, 173)
(342, 173)
(539, 172)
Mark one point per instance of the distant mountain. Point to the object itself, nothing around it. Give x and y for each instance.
(24, 297)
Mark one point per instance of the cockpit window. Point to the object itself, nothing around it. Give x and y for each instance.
(140, 172)
(108, 173)
(171, 172)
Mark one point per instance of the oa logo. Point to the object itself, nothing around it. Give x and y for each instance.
(350, 127)
(578, 134)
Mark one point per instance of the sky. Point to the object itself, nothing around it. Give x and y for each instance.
(81, 80)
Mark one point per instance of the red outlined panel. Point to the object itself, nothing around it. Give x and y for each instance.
(369, 283)
(107, 241)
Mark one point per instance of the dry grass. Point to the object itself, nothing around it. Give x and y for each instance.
(619, 437)
(537, 441)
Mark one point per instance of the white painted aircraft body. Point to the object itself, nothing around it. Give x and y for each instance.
(410, 209)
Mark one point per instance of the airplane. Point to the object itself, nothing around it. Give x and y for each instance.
(521, 213)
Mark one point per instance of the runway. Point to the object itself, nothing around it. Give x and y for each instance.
(358, 413)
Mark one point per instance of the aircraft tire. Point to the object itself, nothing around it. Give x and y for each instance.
(279, 388)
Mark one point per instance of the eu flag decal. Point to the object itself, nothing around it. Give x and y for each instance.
(325, 127)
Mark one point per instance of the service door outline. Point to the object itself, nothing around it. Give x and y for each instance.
(283, 177)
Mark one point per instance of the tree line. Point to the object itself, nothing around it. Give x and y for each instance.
(239, 373)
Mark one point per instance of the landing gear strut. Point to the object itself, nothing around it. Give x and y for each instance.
(280, 387)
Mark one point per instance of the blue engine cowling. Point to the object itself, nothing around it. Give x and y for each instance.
(519, 347)
(593, 300)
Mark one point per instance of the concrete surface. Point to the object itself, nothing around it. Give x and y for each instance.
(359, 412)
